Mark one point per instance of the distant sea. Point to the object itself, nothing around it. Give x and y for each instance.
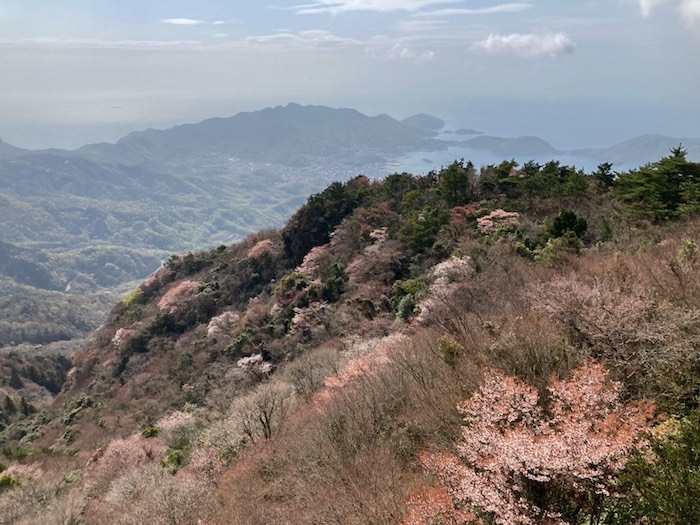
(421, 162)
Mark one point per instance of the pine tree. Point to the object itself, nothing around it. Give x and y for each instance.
(15, 380)
(9, 408)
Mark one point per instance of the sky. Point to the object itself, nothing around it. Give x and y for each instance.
(577, 73)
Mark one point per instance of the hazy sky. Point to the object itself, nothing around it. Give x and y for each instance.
(585, 72)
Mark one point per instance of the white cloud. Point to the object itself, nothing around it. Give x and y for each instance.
(529, 45)
(515, 7)
(383, 48)
(343, 6)
(316, 37)
(96, 43)
(646, 6)
(421, 25)
(690, 10)
(183, 21)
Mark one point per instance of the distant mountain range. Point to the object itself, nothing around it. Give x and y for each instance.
(641, 150)
(301, 136)
(292, 135)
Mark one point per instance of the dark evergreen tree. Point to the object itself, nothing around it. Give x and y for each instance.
(662, 190)
(9, 408)
(15, 380)
(568, 221)
(457, 183)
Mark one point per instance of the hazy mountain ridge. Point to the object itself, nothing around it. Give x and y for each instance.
(424, 121)
(27, 266)
(527, 145)
(8, 151)
(642, 149)
(299, 136)
(292, 135)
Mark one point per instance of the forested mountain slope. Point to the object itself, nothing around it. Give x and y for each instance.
(514, 345)
(84, 223)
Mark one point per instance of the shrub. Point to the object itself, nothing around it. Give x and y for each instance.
(150, 494)
(662, 485)
(76, 406)
(421, 226)
(16, 453)
(643, 337)
(134, 298)
(407, 307)
(70, 433)
(150, 432)
(8, 481)
(173, 460)
(308, 372)
(262, 413)
(450, 350)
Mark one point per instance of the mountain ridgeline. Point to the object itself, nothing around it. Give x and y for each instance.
(333, 370)
(293, 135)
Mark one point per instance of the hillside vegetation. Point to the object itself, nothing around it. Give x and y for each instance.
(79, 225)
(516, 344)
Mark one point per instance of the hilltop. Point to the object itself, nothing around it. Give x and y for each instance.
(323, 372)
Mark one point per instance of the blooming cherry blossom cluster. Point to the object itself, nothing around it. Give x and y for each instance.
(262, 250)
(223, 323)
(255, 365)
(178, 295)
(312, 319)
(370, 356)
(121, 336)
(516, 456)
(311, 265)
(496, 220)
(120, 456)
(449, 276)
(175, 421)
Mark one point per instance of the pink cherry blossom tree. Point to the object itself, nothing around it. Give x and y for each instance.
(525, 461)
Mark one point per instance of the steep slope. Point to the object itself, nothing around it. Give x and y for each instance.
(109, 213)
(313, 374)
